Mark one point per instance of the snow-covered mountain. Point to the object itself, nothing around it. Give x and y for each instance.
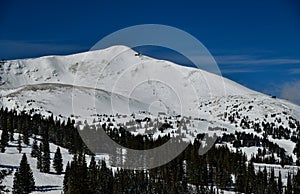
(107, 65)
(118, 70)
(117, 80)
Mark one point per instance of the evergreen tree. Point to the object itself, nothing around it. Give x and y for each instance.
(34, 149)
(297, 148)
(83, 173)
(19, 143)
(72, 180)
(25, 129)
(23, 178)
(259, 186)
(106, 178)
(4, 139)
(251, 177)
(46, 152)
(289, 188)
(272, 184)
(280, 183)
(57, 161)
(66, 178)
(240, 177)
(296, 181)
(265, 179)
(77, 176)
(39, 157)
(46, 162)
(10, 126)
(92, 175)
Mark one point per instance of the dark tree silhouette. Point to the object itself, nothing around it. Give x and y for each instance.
(23, 178)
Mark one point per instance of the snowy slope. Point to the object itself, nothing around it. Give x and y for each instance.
(56, 99)
(106, 65)
(51, 183)
(119, 70)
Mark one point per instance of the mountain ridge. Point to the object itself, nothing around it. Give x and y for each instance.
(121, 71)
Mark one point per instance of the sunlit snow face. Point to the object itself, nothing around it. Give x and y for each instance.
(142, 83)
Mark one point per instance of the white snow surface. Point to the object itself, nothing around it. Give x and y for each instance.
(51, 183)
(118, 70)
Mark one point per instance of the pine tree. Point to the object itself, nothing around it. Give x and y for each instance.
(106, 178)
(39, 157)
(72, 180)
(46, 152)
(251, 177)
(265, 178)
(46, 162)
(77, 181)
(297, 149)
(25, 130)
(19, 143)
(57, 161)
(92, 176)
(10, 126)
(23, 178)
(279, 183)
(4, 139)
(17, 187)
(83, 173)
(66, 179)
(34, 149)
(296, 182)
(289, 185)
(272, 184)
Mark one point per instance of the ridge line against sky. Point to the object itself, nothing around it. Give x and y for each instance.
(256, 43)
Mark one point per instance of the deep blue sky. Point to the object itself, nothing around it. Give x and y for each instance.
(256, 43)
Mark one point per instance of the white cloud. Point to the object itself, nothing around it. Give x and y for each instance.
(252, 60)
